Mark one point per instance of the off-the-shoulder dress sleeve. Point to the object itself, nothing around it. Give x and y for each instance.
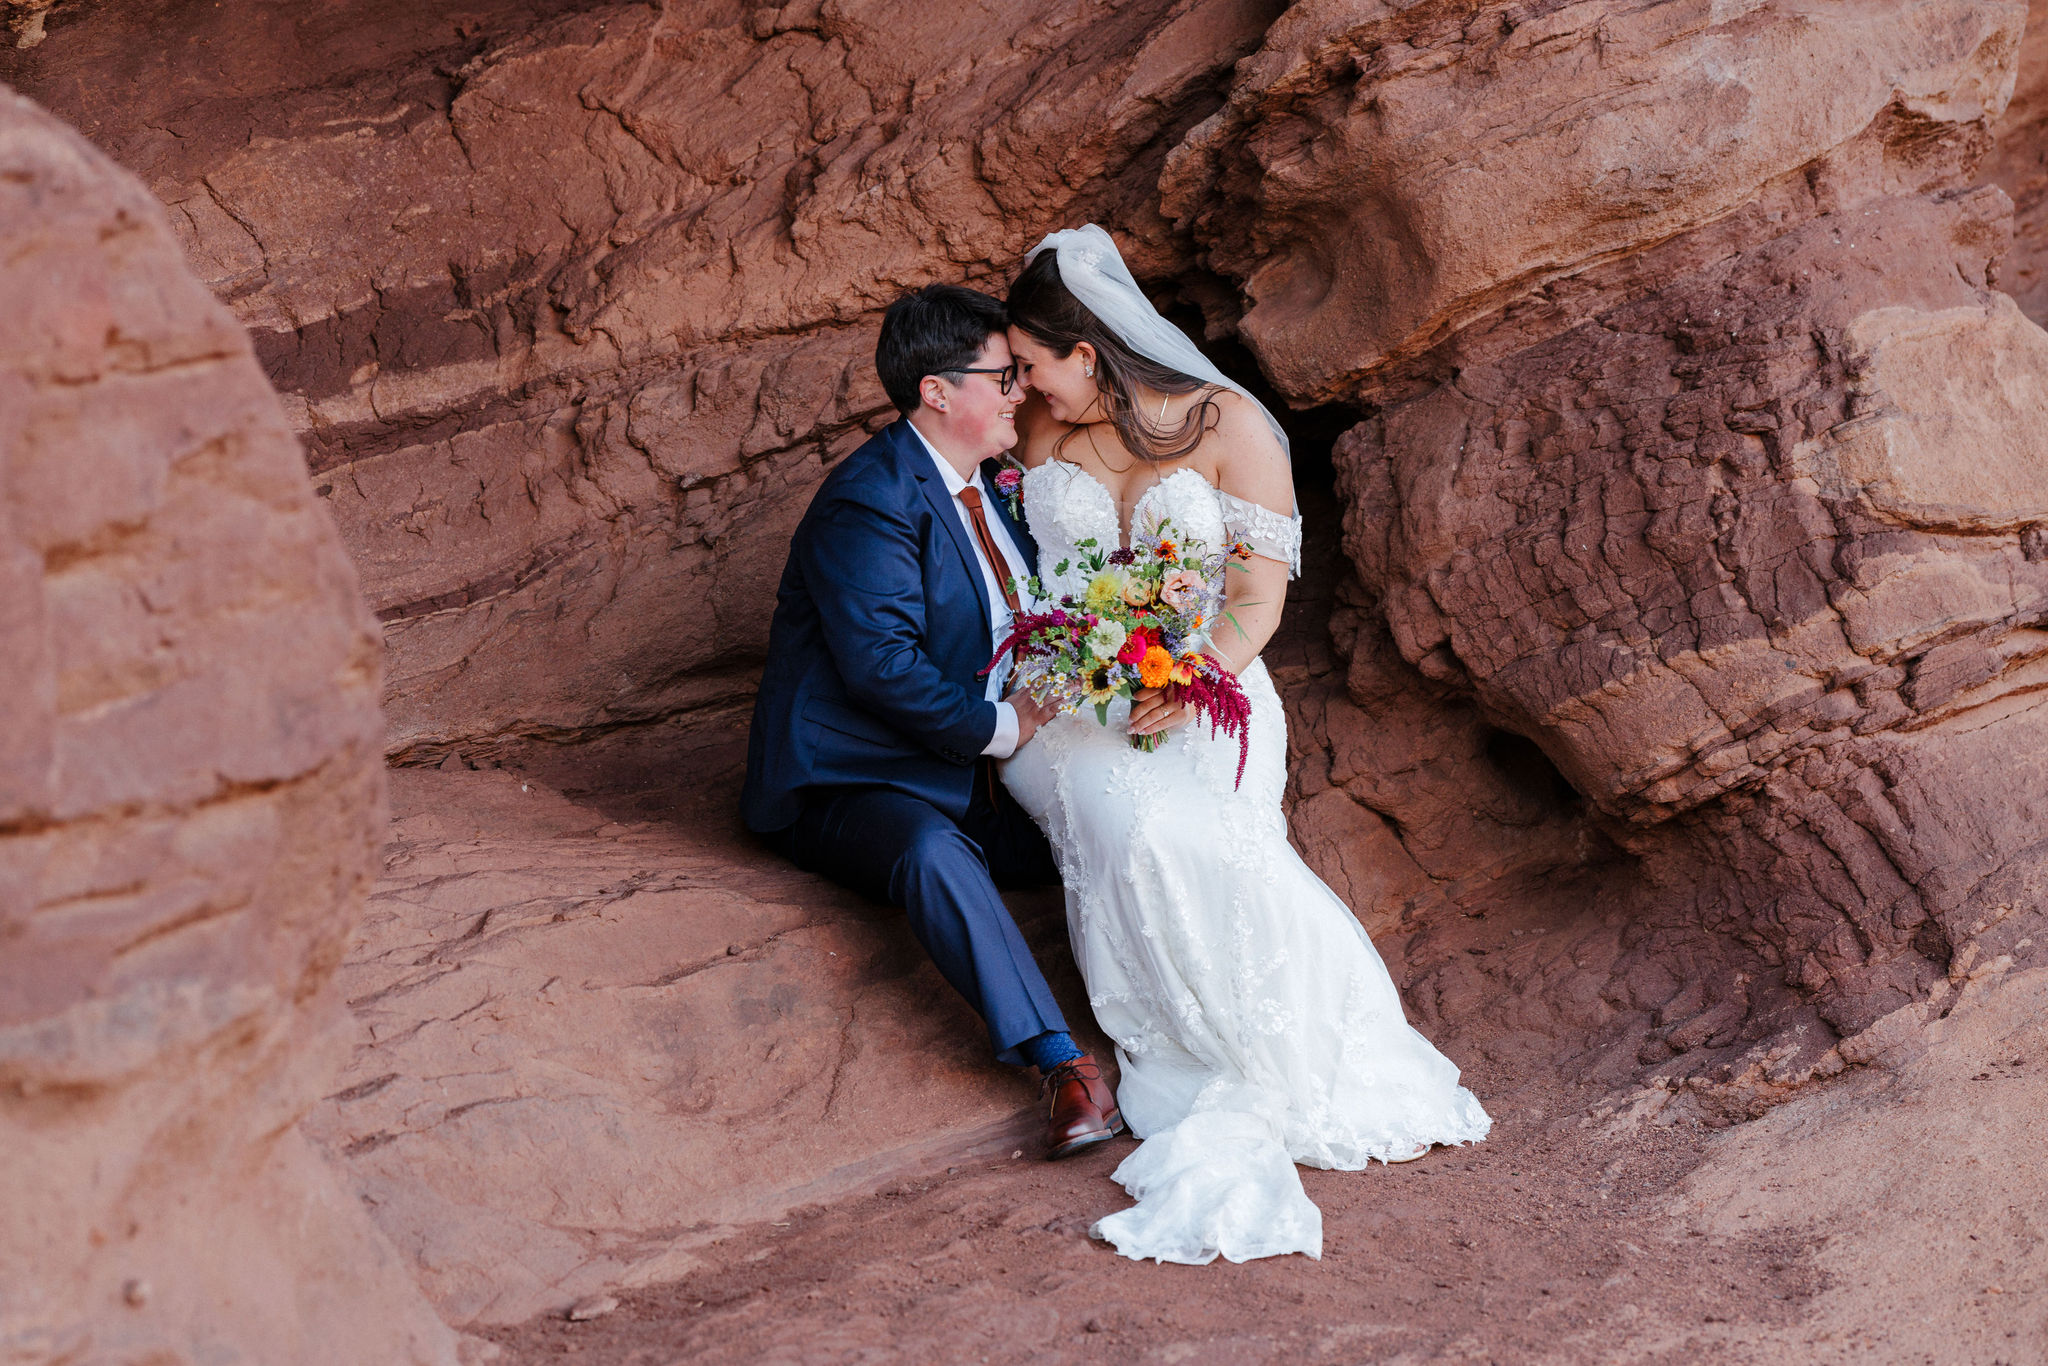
(1272, 534)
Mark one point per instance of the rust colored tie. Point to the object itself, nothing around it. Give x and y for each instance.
(972, 497)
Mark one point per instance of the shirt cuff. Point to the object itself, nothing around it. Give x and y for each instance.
(1003, 743)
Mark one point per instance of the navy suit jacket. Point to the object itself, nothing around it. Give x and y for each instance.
(881, 629)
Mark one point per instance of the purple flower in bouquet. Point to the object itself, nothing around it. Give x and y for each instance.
(1139, 625)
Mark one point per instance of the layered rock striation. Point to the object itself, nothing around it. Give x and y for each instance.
(1671, 706)
(1706, 452)
(190, 805)
(573, 303)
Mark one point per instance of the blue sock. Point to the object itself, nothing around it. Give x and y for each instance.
(1049, 1050)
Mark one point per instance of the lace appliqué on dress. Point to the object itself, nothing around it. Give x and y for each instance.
(1268, 533)
(1255, 1025)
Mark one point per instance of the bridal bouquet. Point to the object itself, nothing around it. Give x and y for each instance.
(1141, 622)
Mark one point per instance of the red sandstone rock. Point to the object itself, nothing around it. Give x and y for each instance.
(1684, 719)
(597, 1035)
(572, 310)
(1387, 175)
(1712, 461)
(26, 20)
(189, 803)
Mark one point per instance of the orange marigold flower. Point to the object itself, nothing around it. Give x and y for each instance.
(1155, 668)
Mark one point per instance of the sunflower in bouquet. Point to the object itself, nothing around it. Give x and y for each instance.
(1141, 619)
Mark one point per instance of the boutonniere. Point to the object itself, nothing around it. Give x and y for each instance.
(1010, 486)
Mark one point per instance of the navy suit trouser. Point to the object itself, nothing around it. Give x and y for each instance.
(901, 849)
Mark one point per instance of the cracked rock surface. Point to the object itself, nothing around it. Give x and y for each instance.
(2018, 164)
(1711, 466)
(572, 302)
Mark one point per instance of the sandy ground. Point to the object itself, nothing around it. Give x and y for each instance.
(1894, 1215)
(1920, 1183)
(1547, 1243)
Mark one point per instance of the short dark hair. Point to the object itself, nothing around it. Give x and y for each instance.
(930, 331)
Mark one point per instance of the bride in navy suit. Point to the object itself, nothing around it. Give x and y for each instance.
(874, 734)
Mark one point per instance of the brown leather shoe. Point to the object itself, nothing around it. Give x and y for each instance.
(1082, 1110)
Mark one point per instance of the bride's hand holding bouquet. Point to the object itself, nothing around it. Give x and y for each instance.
(1139, 628)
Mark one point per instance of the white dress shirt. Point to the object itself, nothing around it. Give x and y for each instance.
(1004, 742)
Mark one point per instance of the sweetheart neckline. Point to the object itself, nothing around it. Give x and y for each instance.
(1115, 512)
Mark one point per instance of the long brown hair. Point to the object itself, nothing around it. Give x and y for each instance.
(1045, 310)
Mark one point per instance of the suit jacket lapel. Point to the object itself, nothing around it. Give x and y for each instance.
(1020, 536)
(910, 448)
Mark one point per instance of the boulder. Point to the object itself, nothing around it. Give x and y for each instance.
(1708, 453)
(1392, 179)
(190, 805)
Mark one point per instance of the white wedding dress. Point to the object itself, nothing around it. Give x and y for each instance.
(1254, 1023)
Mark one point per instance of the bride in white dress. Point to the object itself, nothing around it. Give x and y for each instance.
(1254, 1023)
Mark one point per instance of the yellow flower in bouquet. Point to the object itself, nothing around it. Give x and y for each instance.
(1126, 619)
(1101, 689)
(1105, 590)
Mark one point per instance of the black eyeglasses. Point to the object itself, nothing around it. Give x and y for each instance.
(1005, 377)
